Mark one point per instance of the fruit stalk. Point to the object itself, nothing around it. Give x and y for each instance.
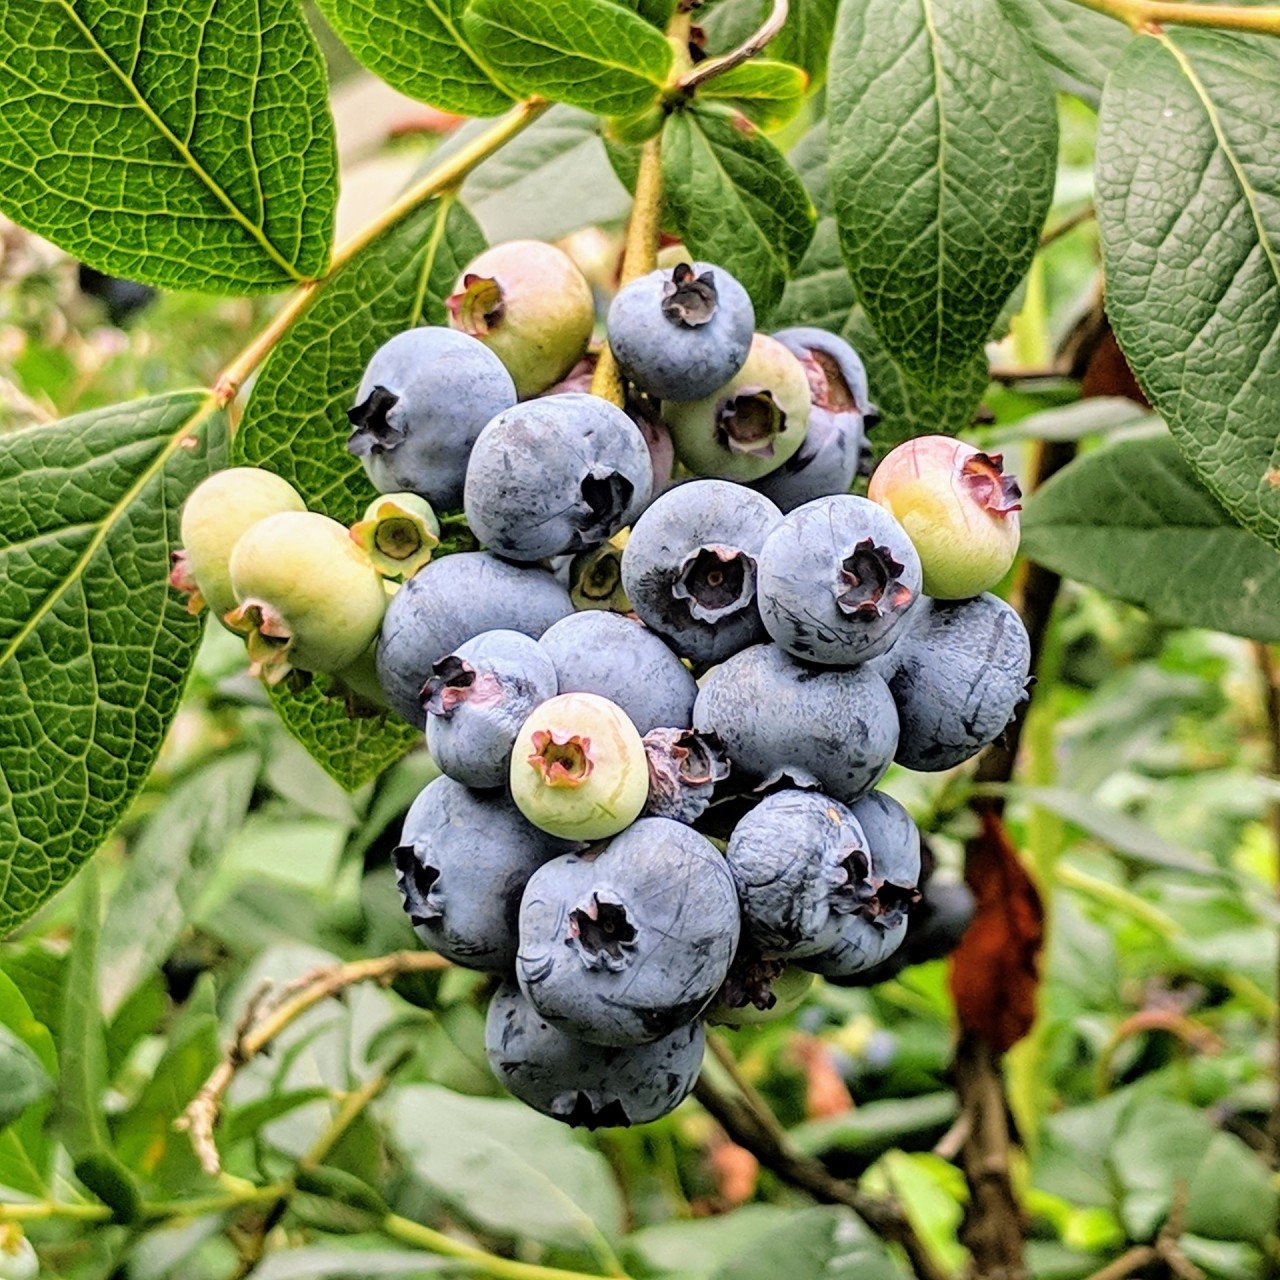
(441, 179)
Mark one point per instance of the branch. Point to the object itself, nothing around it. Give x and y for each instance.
(445, 177)
(713, 67)
(1148, 15)
(884, 1216)
(263, 1020)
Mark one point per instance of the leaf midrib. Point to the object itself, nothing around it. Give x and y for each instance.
(931, 33)
(201, 413)
(256, 232)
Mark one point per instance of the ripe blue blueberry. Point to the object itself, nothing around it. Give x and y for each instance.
(421, 404)
(625, 944)
(448, 602)
(556, 475)
(461, 867)
(837, 577)
(476, 699)
(681, 334)
(839, 411)
(684, 768)
(894, 842)
(689, 567)
(588, 1085)
(833, 730)
(958, 676)
(620, 659)
(858, 944)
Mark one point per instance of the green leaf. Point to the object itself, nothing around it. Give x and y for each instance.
(1186, 177)
(767, 92)
(94, 647)
(419, 48)
(876, 1127)
(325, 1262)
(167, 868)
(941, 185)
(1230, 1196)
(735, 200)
(1080, 45)
(296, 420)
(187, 148)
(1132, 520)
(805, 38)
(592, 54)
(508, 1168)
(819, 1243)
(25, 1147)
(23, 1079)
(655, 12)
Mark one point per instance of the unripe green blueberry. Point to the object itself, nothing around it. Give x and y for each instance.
(531, 306)
(752, 425)
(595, 577)
(578, 768)
(758, 991)
(215, 515)
(959, 509)
(307, 597)
(398, 532)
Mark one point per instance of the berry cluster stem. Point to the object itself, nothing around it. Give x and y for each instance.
(1150, 15)
(751, 46)
(444, 177)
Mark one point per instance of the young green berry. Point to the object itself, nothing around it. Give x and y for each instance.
(217, 512)
(752, 424)
(307, 597)
(595, 577)
(398, 532)
(18, 1259)
(578, 768)
(531, 306)
(959, 509)
(758, 990)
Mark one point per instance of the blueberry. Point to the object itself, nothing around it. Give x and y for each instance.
(958, 676)
(531, 306)
(839, 409)
(421, 404)
(959, 508)
(476, 699)
(749, 426)
(684, 768)
(837, 578)
(681, 334)
(399, 533)
(858, 944)
(689, 567)
(758, 990)
(462, 864)
(625, 944)
(588, 1085)
(556, 475)
(894, 841)
(217, 512)
(797, 859)
(835, 731)
(447, 603)
(621, 659)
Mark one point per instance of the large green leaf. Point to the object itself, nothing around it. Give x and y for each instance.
(418, 47)
(735, 200)
(770, 93)
(23, 1079)
(94, 647)
(1133, 520)
(188, 146)
(818, 1243)
(25, 1148)
(1190, 222)
(940, 184)
(805, 38)
(592, 54)
(1080, 45)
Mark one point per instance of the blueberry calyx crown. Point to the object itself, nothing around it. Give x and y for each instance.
(688, 299)
(599, 575)
(449, 685)
(582, 1113)
(418, 883)
(716, 580)
(869, 584)
(983, 476)
(561, 761)
(374, 432)
(606, 495)
(267, 639)
(750, 422)
(478, 308)
(602, 934)
(750, 982)
(182, 579)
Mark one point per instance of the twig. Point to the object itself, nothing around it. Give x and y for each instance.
(1148, 15)
(1130, 1261)
(265, 1022)
(884, 1216)
(751, 1096)
(754, 43)
(442, 178)
(1269, 674)
(1068, 224)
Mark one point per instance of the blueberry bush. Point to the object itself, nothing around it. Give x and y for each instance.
(811, 469)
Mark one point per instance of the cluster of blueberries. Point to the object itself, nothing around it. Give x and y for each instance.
(662, 694)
